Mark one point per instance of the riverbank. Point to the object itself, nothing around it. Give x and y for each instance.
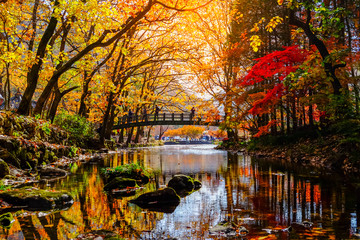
(333, 148)
(31, 148)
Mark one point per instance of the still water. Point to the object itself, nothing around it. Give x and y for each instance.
(264, 197)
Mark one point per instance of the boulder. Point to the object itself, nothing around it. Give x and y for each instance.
(4, 169)
(181, 182)
(228, 229)
(164, 200)
(302, 226)
(9, 158)
(184, 185)
(36, 199)
(197, 184)
(132, 171)
(51, 172)
(120, 183)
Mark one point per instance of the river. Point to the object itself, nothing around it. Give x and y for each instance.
(263, 197)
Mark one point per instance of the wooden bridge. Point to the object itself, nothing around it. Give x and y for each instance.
(164, 119)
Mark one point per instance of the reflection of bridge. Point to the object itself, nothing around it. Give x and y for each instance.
(164, 119)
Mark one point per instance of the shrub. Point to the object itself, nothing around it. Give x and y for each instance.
(133, 170)
(77, 126)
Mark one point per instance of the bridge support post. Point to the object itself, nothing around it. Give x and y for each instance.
(173, 117)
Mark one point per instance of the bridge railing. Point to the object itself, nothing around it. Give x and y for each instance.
(160, 117)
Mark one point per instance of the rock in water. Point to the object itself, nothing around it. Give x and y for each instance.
(164, 200)
(228, 229)
(181, 182)
(120, 183)
(197, 184)
(36, 199)
(184, 185)
(52, 172)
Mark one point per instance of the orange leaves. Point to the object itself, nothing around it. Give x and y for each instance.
(186, 131)
(265, 129)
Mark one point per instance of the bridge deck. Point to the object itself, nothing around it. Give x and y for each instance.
(164, 119)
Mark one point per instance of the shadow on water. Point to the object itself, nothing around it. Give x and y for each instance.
(264, 197)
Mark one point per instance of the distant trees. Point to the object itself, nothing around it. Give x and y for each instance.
(189, 131)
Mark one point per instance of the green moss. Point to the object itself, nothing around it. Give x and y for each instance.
(132, 170)
(36, 199)
(6, 220)
(4, 169)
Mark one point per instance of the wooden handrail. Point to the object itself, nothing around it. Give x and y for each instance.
(161, 118)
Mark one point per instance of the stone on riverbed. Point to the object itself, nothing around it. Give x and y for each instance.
(52, 172)
(133, 171)
(228, 229)
(184, 185)
(36, 199)
(164, 200)
(120, 183)
(9, 158)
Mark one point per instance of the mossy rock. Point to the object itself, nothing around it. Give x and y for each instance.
(184, 185)
(4, 169)
(119, 183)
(132, 171)
(36, 199)
(9, 158)
(164, 200)
(52, 172)
(6, 220)
(8, 144)
(181, 182)
(197, 184)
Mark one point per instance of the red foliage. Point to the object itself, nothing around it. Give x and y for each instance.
(279, 63)
(271, 97)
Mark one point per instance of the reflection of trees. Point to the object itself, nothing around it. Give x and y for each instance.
(275, 197)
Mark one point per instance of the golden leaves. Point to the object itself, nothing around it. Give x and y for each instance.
(255, 42)
(273, 23)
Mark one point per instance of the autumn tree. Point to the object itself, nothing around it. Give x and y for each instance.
(108, 30)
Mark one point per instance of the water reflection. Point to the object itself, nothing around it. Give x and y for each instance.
(264, 197)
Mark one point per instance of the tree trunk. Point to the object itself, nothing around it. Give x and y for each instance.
(282, 126)
(106, 119)
(7, 92)
(294, 118)
(130, 134)
(33, 74)
(110, 123)
(138, 134)
(329, 68)
(82, 109)
(57, 98)
(311, 111)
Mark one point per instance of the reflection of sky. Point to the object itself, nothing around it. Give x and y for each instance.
(185, 160)
(202, 209)
(195, 213)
